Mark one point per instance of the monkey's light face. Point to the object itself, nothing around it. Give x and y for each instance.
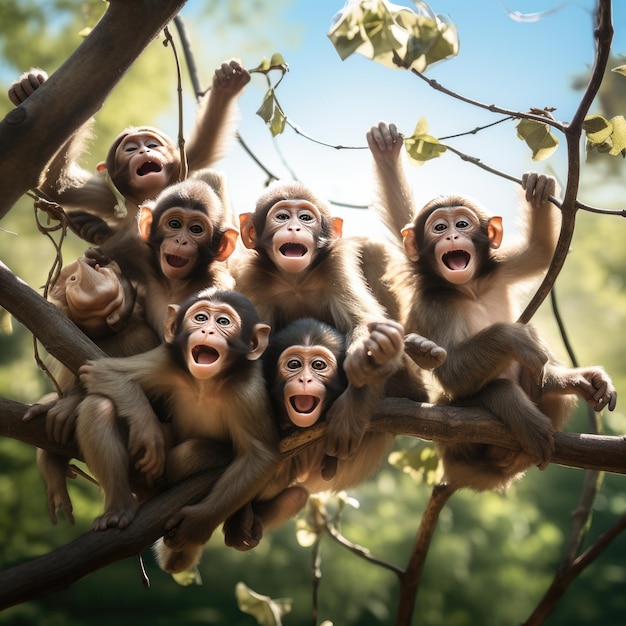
(208, 352)
(295, 225)
(146, 156)
(452, 228)
(305, 370)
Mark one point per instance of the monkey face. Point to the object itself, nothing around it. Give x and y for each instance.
(211, 327)
(184, 232)
(294, 226)
(307, 372)
(453, 231)
(92, 296)
(144, 157)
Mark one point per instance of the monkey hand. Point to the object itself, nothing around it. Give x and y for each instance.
(230, 78)
(146, 444)
(89, 227)
(190, 525)
(26, 85)
(596, 387)
(424, 352)
(61, 418)
(243, 530)
(378, 357)
(538, 187)
(384, 141)
(345, 425)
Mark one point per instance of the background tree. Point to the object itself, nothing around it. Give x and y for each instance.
(484, 544)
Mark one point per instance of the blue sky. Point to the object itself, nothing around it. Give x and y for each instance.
(513, 64)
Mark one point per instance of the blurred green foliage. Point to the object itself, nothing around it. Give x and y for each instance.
(492, 556)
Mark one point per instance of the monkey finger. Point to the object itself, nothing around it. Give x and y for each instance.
(38, 409)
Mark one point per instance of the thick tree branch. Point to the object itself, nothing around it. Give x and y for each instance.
(31, 133)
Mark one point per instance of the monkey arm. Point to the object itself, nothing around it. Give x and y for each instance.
(394, 200)
(472, 363)
(216, 116)
(534, 253)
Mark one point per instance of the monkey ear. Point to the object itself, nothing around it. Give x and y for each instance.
(169, 326)
(248, 232)
(227, 244)
(101, 167)
(495, 231)
(144, 221)
(259, 341)
(410, 244)
(337, 227)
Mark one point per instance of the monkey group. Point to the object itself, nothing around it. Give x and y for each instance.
(225, 333)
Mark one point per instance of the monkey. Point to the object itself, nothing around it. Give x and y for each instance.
(303, 367)
(459, 286)
(188, 233)
(208, 375)
(103, 304)
(141, 161)
(297, 266)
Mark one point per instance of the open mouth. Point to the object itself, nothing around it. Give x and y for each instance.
(204, 355)
(456, 260)
(304, 404)
(149, 167)
(176, 261)
(293, 250)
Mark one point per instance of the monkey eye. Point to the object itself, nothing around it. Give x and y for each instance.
(462, 224)
(282, 216)
(174, 223)
(223, 320)
(319, 364)
(196, 229)
(294, 364)
(153, 144)
(201, 317)
(440, 227)
(130, 146)
(306, 216)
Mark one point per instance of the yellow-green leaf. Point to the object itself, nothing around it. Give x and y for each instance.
(188, 577)
(421, 462)
(598, 129)
(618, 136)
(621, 69)
(266, 611)
(266, 110)
(538, 138)
(421, 146)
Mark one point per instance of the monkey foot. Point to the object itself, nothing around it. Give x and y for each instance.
(116, 518)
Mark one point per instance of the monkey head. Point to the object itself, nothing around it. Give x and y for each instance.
(95, 296)
(214, 333)
(187, 228)
(304, 366)
(290, 226)
(141, 162)
(452, 237)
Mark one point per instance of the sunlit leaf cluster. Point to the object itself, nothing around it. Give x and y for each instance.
(393, 35)
(607, 136)
(270, 110)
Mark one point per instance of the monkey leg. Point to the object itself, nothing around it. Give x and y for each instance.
(104, 449)
(54, 470)
(529, 426)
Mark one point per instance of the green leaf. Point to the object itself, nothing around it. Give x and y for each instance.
(265, 610)
(421, 462)
(188, 577)
(421, 146)
(279, 120)
(618, 136)
(598, 129)
(538, 138)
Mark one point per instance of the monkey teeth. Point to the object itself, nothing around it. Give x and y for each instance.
(204, 355)
(304, 404)
(148, 167)
(293, 250)
(456, 259)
